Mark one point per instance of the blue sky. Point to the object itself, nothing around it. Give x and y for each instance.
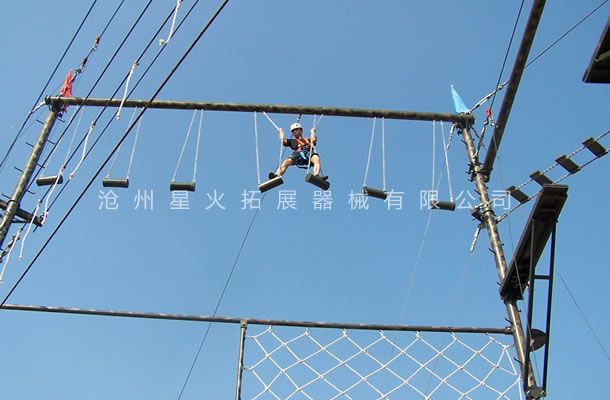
(369, 266)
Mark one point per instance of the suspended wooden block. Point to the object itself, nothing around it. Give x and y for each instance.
(188, 186)
(567, 164)
(115, 183)
(316, 180)
(541, 178)
(595, 147)
(378, 193)
(442, 205)
(518, 194)
(49, 180)
(270, 184)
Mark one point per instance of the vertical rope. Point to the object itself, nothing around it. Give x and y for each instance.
(258, 166)
(46, 203)
(433, 153)
(184, 146)
(133, 68)
(368, 161)
(116, 155)
(67, 158)
(28, 230)
(10, 250)
(197, 144)
(82, 158)
(163, 42)
(133, 149)
(383, 151)
(445, 148)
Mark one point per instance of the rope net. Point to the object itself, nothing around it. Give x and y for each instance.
(284, 363)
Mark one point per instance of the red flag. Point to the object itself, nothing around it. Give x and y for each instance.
(66, 88)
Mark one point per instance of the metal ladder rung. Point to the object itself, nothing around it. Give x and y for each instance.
(115, 183)
(188, 186)
(377, 193)
(595, 147)
(317, 181)
(567, 164)
(541, 178)
(518, 194)
(270, 184)
(442, 205)
(49, 180)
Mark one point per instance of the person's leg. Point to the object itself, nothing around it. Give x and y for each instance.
(317, 166)
(285, 164)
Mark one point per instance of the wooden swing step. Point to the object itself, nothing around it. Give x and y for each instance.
(541, 178)
(316, 180)
(378, 193)
(567, 164)
(270, 184)
(518, 194)
(595, 147)
(442, 205)
(115, 183)
(184, 186)
(49, 180)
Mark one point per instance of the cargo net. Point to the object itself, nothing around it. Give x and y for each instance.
(313, 363)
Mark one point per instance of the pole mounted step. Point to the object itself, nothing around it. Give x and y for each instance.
(49, 180)
(595, 147)
(188, 186)
(541, 178)
(518, 194)
(567, 164)
(377, 193)
(442, 205)
(115, 183)
(316, 180)
(270, 184)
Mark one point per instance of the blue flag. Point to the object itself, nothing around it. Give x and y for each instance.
(458, 103)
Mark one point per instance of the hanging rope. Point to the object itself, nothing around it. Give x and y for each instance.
(10, 250)
(433, 153)
(133, 68)
(84, 150)
(188, 133)
(197, 144)
(258, 168)
(279, 162)
(116, 155)
(271, 121)
(163, 42)
(27, 232)
(446, 149)
(368, 161)
(383, 151)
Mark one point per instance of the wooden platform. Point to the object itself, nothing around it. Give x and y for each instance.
(599, 66)
(541, 220)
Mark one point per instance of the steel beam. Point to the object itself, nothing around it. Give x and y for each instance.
(253, 321)
(513, 85)
(463, 119)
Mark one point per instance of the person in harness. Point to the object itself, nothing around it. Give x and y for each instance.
(302, 149)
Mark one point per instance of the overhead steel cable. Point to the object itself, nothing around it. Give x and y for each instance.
(152, 40)
(18, 135)
(89, 93)
(220, 298)
(109, 157)
(510, 43)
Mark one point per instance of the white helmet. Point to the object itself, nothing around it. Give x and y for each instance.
(294, 126)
